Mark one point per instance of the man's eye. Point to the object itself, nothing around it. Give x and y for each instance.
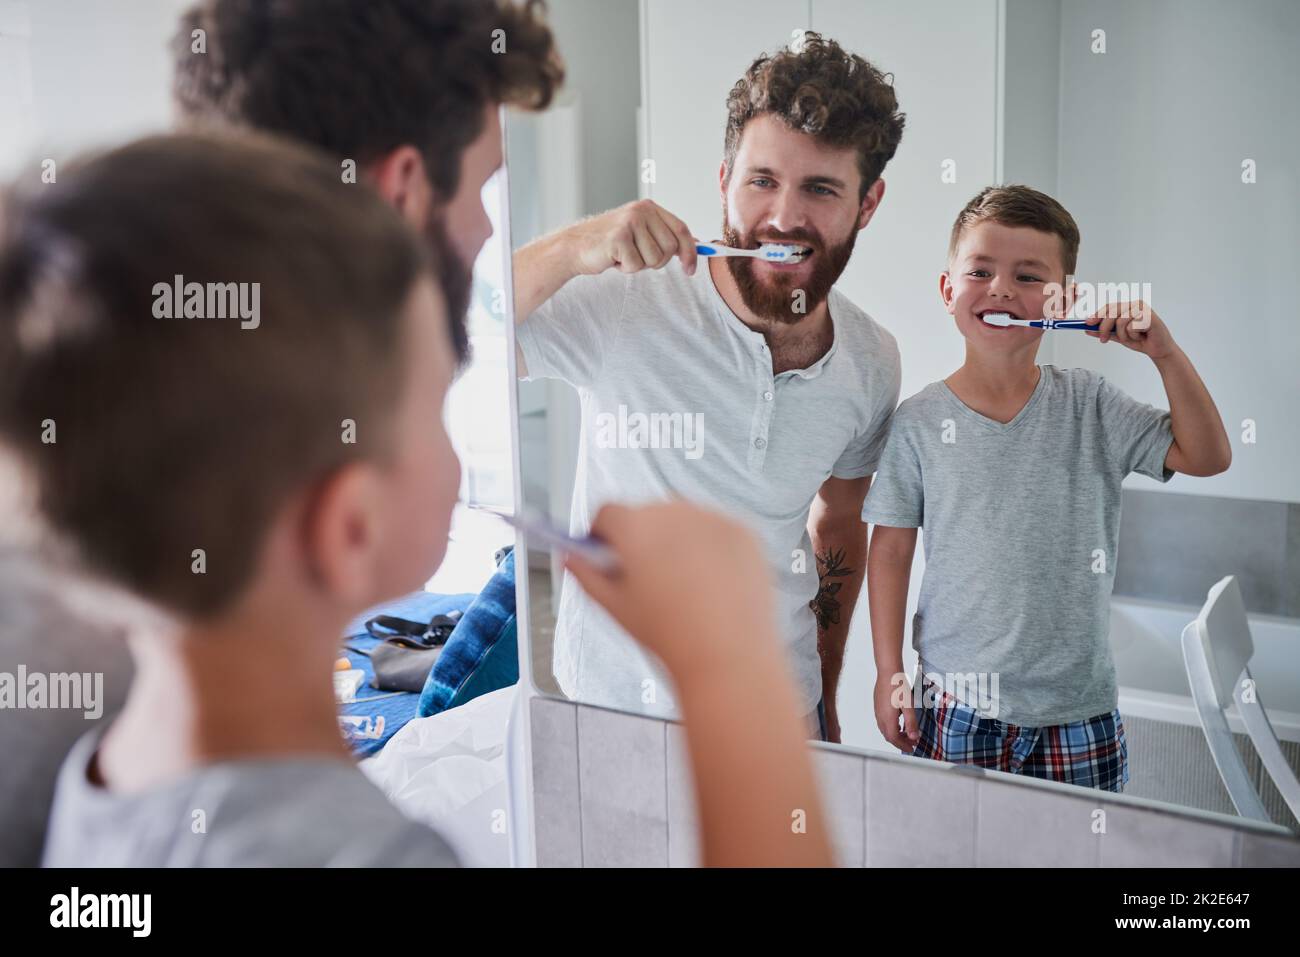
(822, 190)
(760, 181)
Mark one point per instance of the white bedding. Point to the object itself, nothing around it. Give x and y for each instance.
(449, 771)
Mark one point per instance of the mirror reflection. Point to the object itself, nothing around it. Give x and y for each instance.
(952, 320)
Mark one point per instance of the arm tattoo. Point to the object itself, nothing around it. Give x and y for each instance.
(826, 606)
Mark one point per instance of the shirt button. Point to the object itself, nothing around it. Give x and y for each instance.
(767, 396)
(760, 443)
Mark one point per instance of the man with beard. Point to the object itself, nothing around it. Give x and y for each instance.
(752, 386)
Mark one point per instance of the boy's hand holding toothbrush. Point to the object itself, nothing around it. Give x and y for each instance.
(1133, 324)
(1136, 326)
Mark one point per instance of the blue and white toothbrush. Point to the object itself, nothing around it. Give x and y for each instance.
(1005, 319)
(772, 252)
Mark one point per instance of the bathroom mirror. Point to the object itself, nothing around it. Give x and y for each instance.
(1169, 133)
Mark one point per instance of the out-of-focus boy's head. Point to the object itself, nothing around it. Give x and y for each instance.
(1020, 206)
(148, 432)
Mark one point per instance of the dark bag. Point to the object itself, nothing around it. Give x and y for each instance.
(402, 662)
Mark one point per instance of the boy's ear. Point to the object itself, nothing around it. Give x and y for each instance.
(401, 179)
(945, 290)
(342, 534)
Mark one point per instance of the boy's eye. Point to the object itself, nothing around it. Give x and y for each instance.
(978, 273)
(1029, 279)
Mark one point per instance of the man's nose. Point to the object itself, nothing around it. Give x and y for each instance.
(787, 211)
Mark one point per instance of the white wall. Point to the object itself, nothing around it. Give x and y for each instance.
(691, 54)
(78, 74)
(1153, 135)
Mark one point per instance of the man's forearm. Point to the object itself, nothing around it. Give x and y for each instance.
(540, 270)
(841, 568)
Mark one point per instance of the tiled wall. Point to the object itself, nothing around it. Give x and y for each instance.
(1210, 537)
(613, 789)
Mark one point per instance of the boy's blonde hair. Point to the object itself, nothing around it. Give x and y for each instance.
(1020, 206)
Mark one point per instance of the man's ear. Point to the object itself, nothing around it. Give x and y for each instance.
(343, 533)
(722, 182)
(401, 179)
(871, 202)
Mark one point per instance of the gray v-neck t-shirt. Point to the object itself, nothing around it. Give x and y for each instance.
(679, 400)
(1021, 528)
(264, 812)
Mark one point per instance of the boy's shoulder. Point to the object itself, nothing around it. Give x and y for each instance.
(1082, 389)
(1075, 377)
(292, 811)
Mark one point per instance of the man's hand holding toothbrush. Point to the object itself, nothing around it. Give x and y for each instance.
(635, 236)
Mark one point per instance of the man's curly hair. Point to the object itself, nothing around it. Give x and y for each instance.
(359, 78)
(819, 88)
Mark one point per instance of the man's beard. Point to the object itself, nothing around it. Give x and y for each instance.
(775, 299)
(456, 281)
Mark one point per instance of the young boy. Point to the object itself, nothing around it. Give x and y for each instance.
(1014, 471)
(222, 372)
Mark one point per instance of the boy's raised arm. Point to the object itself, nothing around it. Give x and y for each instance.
(1200, 445)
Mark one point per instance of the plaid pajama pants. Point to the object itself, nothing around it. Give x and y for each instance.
(1091, 753)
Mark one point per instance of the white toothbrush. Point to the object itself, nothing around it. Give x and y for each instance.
(771, 252)
(1005, 319)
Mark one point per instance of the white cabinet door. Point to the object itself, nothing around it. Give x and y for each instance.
(692, 53)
